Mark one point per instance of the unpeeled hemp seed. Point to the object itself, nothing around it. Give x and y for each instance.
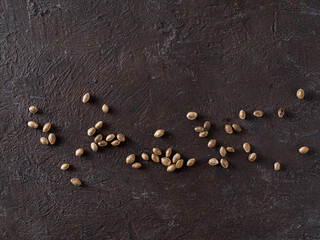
(52, 138)
(300, 93)
(276, 166)
(252, 157)
(258, 113)
(98, 125)
(85, 97)
(171, 168)
(213, 161)
(165, 161)
(304, 150)
(176, 157)
(198, 129)
(102, 143)
(110, 137)
(228, 129)
(212, 143)
(203, 134)
(33, 124)
(224, 163)
(121, 137)
(246, 147)
(236, 127)
(156, 151)
(130, 159)
(145, 156)
(136, 165)
(46, 127)
(207, 125)
(168, 152)
(179, 163)
(242, 114)
(159, 133)
(79, 152)
(64, 166)
(155, 157)
(98, 138)
(33, 109)
(192, 115)
(105, 108)
(94, 146)
(230, 149)
(75, 181)
(115, 143)
(223, 151)
(44, 141)
(191, 162)
(91, 131)
(281, 112)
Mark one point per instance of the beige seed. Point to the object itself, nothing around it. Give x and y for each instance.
(33, 124)
(191, 162)
(44, 141)
(258, 113)
(198, 129)
(105, 108)
(236, 127)
(179, 163)
(130, 159)
(228, 129)
(212, 143)
(159, 133)
(300, 94)
(276, 166)
(155, 158)
(246, 147)
(136, 165)
(64, 166)
(171, 168)
(110, 137)
(223, 151)
(85, 97)
(168, 152)
(91, 131)
(176, 157)
(192, 115)
(165, 161)
(46, 127)
(33, 109)
(213, 161)
(75, 181)
(98, 125)
(281, 112)
(102, 143)
(79, 152)
(52, 138)
(252, 157)
(242, 114)
(115, 143)
(304, 150)
(121, 137)
(230, 149)
(203, 134)
(145, 156)
(224, 163)
(207, 125)
(156, 151)
(98, 138)
(94, 146)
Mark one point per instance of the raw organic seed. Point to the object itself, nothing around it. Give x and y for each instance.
(33, 109)
(207, 125)
(98, 125)
(191, 162)
(94, 146)
(242, 114)
(64, 166)
(130, 159)
(98, 138)
(223, 151)
(176, 157)
(213, 161)
(192, 115)
(230, 149)
(179, 163)
(159, 133)
(199, 129)
(258, 113)
(228, 129)
(281, 112)
(156, 151)
(212, 143)
(136, 165)
(304, 150)
(203, 134)
(91, 131)
(75, 181)
(155, 158)
(276, 166)
(165, 161)
(236, 127)
(144, 156)
(110, 137)
(105, 108)
(171, 168)
(246, 147)
(44, 141)
(168, 152)
(252, 157)
(121, 137)
(115, 143)
(52, 138)
(224, 163)
(300, 94)
(102, 143)
(46, 127)
(33, 124)
(85, 97)
(79, 152)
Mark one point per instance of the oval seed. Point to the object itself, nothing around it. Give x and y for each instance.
(91, 131)
(64, 166)
(168, 152)
(176, 157)
(136, 165)
(144, 156)
(94, 146)
(300, 94)
(213, 161)
(230, 149)
(224, 163)
(258, 113)
(198, 129)
(192, 115)
(203, 134)
(52, 138)
(46, 127)
(110, 137)
(252, 157)
(223, 151)
(130, 159)
(98, 138)
(207, 125)
(179, 163)
(246, 147)
(121, 137)
(105, 108)
(165, 161)
(98, 125)
(304, 150)
(44, 141)
(115, 143)
(156, 151)
(155, 158)
(171, 168)
(212, 143)
(281, 112)
(276, 166)
(236, 127)
(159, 133)
(85, 97)
(75, 181)
(191, 162)
(33, 124)
(242, 114)
(228, 129)
(33, 109)
(79, 152)
(102, 143)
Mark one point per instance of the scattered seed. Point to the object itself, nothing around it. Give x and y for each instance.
(33, 109)
(91, 131)
(165, 161)
(144, 156)
(75, 181)
(64, 166)
(224, 163)
(176, 157)
(44, 141)
(213, 161)
(46, 127)
(228, 129)
(110, 137)
(191, 162)
(121, 137)
(300, 94)
(159, 133)
(98, 138)
(203, 134)
(102, 143)
(192, 115)
(242, 114)
(156, 151)
(230, 149)
(171, 168)
(223, 151)
(52, 138)
(168, 152)
(155, 158)
(79, 152)
(115, 143)
(130, 159)
(207, 125)
(258, 113)
(246, 147)
(212, 143)
(136, 165)
(98, 125)
(33, 124)
(199, 129)
(236, 127)
(276, 166)
(179, 163)
(85, 97)
(281, 112)
(252, 157)
(94, 146)
(304, 150)
(105, 108)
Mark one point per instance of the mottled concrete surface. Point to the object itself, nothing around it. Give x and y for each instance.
(152, 62)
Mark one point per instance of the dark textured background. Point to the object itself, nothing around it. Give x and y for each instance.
(152, 62)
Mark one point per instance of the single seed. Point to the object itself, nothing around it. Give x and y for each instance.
(64, 166)
(207, 125)
(44, 141)
(94, 146)
(213, 161)
(198, 129)
(276, 166)
(258, 113)
(171, 168)
(144, 156)
(236, 127)
(155, 158)
(52, 138)
(98, 138)
(85, 97)
(136, 165)
(75, 181)
(230, 149)
(224, 163)
(33, 124)
(91, 131)
(304, 150)
(159, 133)
(110, 137)
(212, 143)
(252, 157)
(191, 162)
(179, 163)
(156, 151)
(165, 161)
(246, 147)
(98, 125)
(121, 137)
(223, 151)
(79, 152)
(105, 108)
(242, 114)
(300, 94)
(203, 134)
(228, 129)
(46, 127)
(168, 152)
(130, 159)
(102, 143)
(176, 157)
(192, 115)
(33, 109)
(115, 143)
(281, 112)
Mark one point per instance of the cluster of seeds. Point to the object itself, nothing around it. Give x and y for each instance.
(203, 131)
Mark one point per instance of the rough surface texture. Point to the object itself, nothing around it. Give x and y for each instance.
(152, 62)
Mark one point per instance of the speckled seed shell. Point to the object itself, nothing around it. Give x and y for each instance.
(212, 143)
(192, 115)
(230, 149)
(98, 138)
(136, 165)
(223, 151)
(44, 141)
(115, 143)
(121, 137)
(168, 152)
(258, 113)
(236, 127)
(176, 157)
(246, 147)
(79, 152)
(203, 134)
(86, 97)
(155, 158)
(52, 138)
(94, 146)
(198, 129)
(191, 162)
(130, 159)
(213, 161)
(33, 109)
(102, 143)
(179, 163)
(304, 150)
(110, 137)
(224, 163)
(64, 166)
(46, 127)
(33, 124)
(159, 133)
(105, 108)
(75, 181)
(165, 161)
(207, 125)
(228, 129)
(276, 166)
(156, 151)
(281, 112)
(300, 93)
(145, 156)
(91, 131)
(98, 125)
(242, 114)
(171, 168)
(252, 157)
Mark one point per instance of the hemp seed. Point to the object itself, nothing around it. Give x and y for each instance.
(75, 181)
(44, 141)
(203, 134)
(130, 159)
(52, 138)
(64, 166)
(145, 156)
(246, 147)
(276, 166)
(258, 113)
(213, 161)
(191, 162)
(252, 157)
(207, 125)
(46, 127)
(304, 150)
(94, 146)
(79, 152)
(212, 143)
(85, 97)
(33, 109)
(159, 133)
(33, 124)
(223, 151)
(110, 137)
(136, 165)
(98, 125)
(224, 163)
(168, 152)
(236, 127)
(192, 115)
(242, 114)
(91, 131)
(228, 129)
(300, 93)
(156, 151)
(105, 108)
